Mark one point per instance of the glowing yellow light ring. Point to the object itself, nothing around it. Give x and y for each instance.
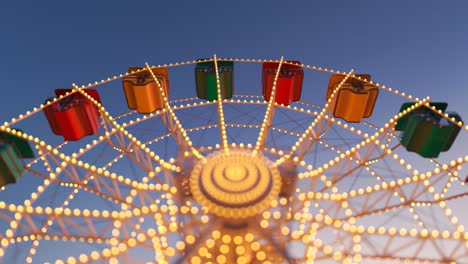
(249, 188)
(219, 190)
(246, 184)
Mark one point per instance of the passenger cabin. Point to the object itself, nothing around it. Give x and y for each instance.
(11, 167)
(426, 132)
(12, 150)
(206, 83)
(288, 84)
(91, 92)
(20, 144)
(74, 116)
(402, 122)
(354, 100)
(141, 90)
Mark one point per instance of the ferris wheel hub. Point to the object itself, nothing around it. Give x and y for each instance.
(237, 185)
(235, 172)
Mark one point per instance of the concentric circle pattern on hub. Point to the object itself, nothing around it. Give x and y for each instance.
(235, 185)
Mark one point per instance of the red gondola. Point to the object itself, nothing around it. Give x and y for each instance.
(73, 117)
(289, 82)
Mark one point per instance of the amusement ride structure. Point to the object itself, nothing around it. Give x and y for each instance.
(223, 177)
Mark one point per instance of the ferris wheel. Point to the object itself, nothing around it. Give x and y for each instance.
(227, 177)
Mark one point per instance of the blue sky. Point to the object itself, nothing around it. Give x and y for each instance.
(419, 47)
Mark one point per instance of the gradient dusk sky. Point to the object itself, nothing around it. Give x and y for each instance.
(416, 46)
(419, 47)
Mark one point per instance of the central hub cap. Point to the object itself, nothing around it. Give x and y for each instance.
(235, 172)
(235, 185)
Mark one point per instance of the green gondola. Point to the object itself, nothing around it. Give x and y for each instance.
(11, 167)
(12, 150)
(401, 123)
(427, 133)
(205, 78)
(21, 145)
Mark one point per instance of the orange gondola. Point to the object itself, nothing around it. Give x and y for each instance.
(142, 92)
(354, 100)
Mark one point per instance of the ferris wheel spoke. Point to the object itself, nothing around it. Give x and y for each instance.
(219, 104)
(82, 187)
(51, 218)
(396, 189)
(361, 153)
(172, 122)
(270, 111)
(14, 224)
(316, 129)
(399, 191)
(107, 185)
(124, 139)
(344, 169)
(381, 198)
(66, 222)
